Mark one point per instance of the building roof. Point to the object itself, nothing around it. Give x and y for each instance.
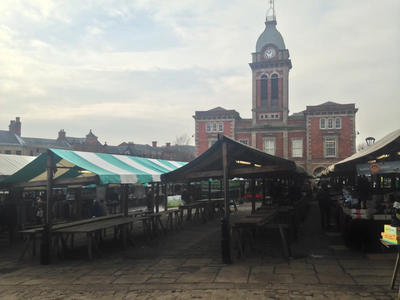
(270, 35)
(146, 148)
(77, 140)
(46, 143)
(9, 138)
(217, 111)
(123, 149)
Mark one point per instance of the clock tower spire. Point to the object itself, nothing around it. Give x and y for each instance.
(270, 67)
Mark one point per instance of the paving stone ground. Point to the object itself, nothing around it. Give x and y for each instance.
(187, 264)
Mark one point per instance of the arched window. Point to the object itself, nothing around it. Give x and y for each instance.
(221, 127)
(330, 123)
(208, 127)
(322, 123)
(214, 129)
(274, 90)
(264, 90)
(338, 123)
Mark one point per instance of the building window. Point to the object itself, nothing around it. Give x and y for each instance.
(214, 127)
(297, 148)
(330, 123)
(18, 152)
(322, 124)
(269, 146)
(264, 91)
(31, 153)
(274, 87)
(330, 147)
(244, 142)
(8, 152)
(276, 116)
(261, 116)
(338, 123)
(208, 127)
(211, 142)
(221, 127)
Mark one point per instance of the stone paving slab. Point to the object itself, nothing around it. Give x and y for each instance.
(187, 264)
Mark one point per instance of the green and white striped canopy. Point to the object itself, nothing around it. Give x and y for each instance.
(99, 168)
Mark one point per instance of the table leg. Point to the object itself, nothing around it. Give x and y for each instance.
(178, 221)
(91, 239)
(26, 246)
(169, 221)
(124, 236)
(396, 267)
(285, 246)
(161, 224)
(34, 245)
(89, 245)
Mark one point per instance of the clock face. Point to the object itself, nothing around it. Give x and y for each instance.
(269, 53)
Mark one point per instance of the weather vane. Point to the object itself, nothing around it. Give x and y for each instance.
(271, 10)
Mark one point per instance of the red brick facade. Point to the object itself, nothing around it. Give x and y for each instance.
(301, 137)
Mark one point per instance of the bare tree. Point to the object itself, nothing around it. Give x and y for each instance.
(183, 149)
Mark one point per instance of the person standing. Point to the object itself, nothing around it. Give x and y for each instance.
(185, 196)
(324, 203)
(150, 199)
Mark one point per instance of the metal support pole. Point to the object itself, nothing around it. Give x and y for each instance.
(45, 245)
(253, 195)
(225, 243)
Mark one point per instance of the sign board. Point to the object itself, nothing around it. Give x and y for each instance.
(174, 201)
(379, 168)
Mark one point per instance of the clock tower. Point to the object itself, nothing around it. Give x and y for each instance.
(270, 75)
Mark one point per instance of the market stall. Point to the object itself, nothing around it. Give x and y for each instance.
(369, 185)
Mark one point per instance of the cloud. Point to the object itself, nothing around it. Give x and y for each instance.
(138, 70)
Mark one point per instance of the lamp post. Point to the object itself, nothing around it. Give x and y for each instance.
(370, 141)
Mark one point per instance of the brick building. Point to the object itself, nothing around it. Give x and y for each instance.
(315, 138)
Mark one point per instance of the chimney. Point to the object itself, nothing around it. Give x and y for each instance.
(154, 144)
(61, 135)
(15, 126)
(168, 145)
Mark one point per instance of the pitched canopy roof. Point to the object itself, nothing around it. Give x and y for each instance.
(243, 161)
(386, 145)
(75, 168)
(9, 164)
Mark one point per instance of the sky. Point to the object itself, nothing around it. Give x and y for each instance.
(137, 70)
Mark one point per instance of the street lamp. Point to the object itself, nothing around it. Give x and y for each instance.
(370, 141)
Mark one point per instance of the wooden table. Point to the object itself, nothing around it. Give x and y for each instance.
(285, 214)
(255, 222)
(32, 233)
(155, 221)
(96, 227)
(199, 211)
(173, 214)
